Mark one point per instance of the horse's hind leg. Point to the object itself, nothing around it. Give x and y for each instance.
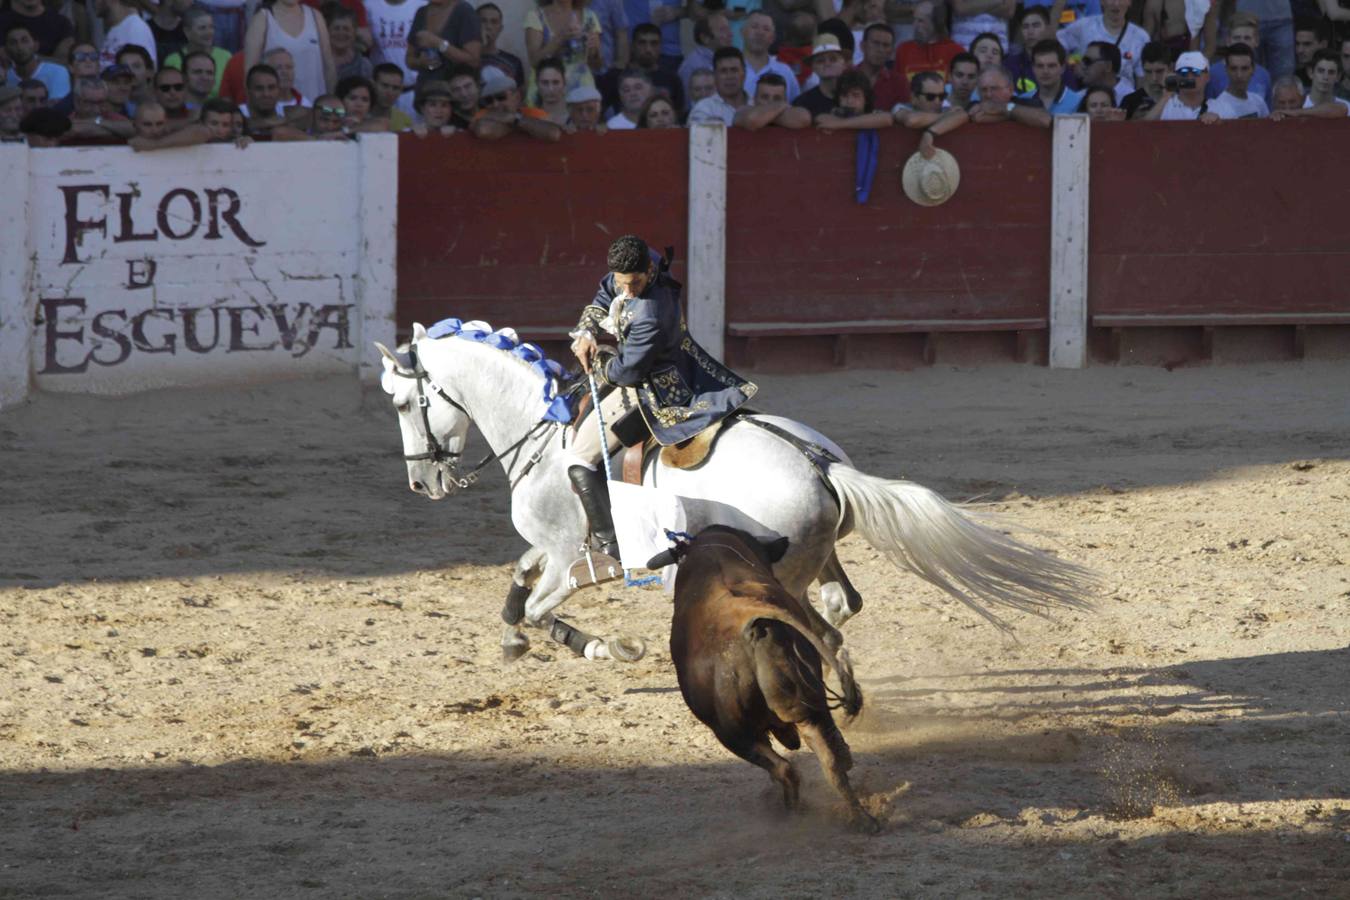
(514, 642)
(829, 747)
(838, 595)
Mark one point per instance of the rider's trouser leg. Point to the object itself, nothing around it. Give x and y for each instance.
(589, 483)
(587, 443)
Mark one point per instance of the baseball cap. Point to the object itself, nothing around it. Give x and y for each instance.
(495, 82)
(116, 70)
(825, 43)
(582, 94)
(1192, 59)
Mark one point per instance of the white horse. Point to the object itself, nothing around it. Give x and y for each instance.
(753, 480)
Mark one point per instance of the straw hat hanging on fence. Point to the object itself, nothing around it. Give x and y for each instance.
(931, 182)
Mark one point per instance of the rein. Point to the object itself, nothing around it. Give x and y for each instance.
(439, 454)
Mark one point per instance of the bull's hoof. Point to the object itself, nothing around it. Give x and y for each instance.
(626, 649)
(865, 824)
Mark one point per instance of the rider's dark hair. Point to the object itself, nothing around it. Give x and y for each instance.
(629, 255)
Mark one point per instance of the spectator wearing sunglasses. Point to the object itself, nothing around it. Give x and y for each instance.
(1111, 28)
(83, 64)
(1100, 67)
(1187, 103)
(927, 99)
(171, 95)
(502, 113)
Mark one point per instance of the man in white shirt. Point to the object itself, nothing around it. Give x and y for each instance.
(1236, 99)
(729, 76)
(635, 87)
(1111, 28)
(758, 35)
(122, 25)
(1184, 99)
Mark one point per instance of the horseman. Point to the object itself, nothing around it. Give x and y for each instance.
(657, 368)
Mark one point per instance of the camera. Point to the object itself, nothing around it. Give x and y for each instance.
(1176, 83)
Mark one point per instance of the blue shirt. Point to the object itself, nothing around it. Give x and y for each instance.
(1067, 101)
(55, 77)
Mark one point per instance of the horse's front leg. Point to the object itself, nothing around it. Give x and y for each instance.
(553, 588)
(837, 594)
(526, 576)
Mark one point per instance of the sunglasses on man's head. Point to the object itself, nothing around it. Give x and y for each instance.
(84, 57)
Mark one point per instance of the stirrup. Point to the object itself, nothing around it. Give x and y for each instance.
(593, 567)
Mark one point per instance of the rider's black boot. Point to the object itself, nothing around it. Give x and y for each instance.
(590, 487)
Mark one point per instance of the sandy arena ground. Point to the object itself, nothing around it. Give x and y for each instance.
(240, 658)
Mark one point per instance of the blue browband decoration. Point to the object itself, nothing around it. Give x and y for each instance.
(481, 332)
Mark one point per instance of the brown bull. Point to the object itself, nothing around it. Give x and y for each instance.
(750, 666)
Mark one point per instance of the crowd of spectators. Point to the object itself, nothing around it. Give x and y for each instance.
(166, 73)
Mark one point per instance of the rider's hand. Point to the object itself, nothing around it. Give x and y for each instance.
(584, 348)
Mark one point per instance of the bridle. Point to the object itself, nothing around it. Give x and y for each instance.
(437, 453)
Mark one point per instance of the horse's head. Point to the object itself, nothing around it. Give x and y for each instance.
(434, 426)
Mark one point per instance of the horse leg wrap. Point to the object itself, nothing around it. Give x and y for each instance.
(575, 639)
(514, 610)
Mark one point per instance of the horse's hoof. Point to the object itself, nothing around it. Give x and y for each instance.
(627, 649)
(514, 646)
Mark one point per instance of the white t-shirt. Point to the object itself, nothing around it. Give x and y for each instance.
(620, 122)
(1090, 29)
(390, 24)
(1309, 104)
(1250, 107)
(131, 30)
(1176, 111)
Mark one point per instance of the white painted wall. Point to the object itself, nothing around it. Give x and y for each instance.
(706, 289)
(197, 266)
(1069, 243)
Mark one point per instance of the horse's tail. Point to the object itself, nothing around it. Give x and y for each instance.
(948, 547)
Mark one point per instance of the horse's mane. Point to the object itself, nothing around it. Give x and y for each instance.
(527, 354)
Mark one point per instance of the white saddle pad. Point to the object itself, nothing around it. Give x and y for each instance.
(641, 517)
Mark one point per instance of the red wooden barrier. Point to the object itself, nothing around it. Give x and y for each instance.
(515, 231)
(801, 249)
(1241, 222)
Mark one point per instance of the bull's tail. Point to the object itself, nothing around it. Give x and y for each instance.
(849, 698)
(950, 548)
